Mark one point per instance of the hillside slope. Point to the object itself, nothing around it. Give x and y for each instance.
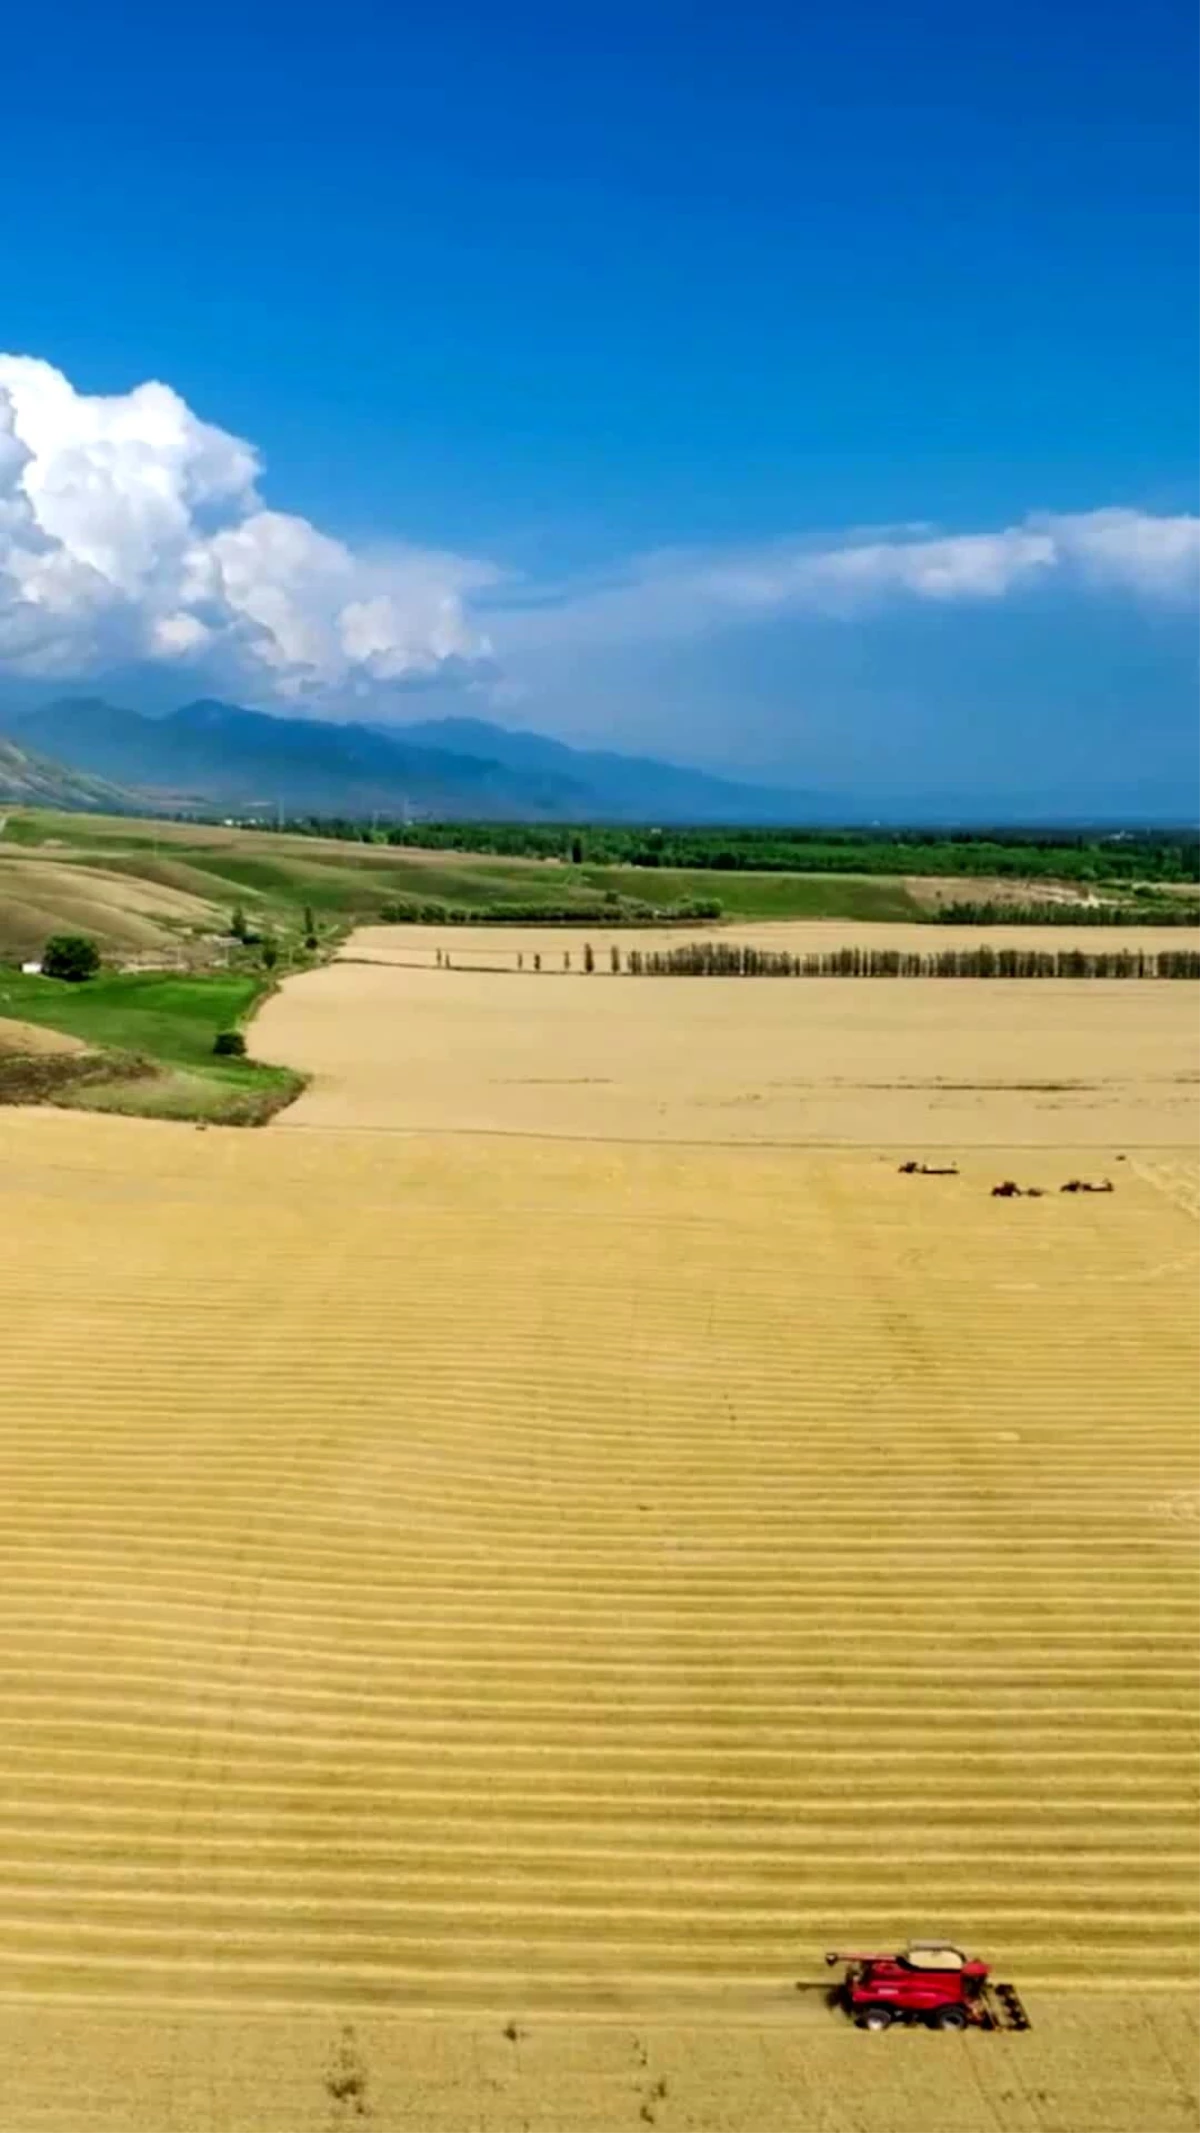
(144, 884)
(126, 915)
(31, 780)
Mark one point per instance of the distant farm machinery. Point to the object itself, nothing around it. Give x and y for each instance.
(928, 1982)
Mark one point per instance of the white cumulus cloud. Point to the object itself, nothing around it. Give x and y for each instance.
(134, 534)
(131, 531)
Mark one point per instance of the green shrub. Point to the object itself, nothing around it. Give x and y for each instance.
(229, 1044)
(73, 956)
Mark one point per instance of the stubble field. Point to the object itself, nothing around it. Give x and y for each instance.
(392, 1041)
(483, 1614)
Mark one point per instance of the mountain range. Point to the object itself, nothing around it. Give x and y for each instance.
(212, 754)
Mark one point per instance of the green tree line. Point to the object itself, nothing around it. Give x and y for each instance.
(1005, 854)
(1160, 911)
(620, 912)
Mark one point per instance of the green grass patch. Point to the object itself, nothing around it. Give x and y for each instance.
(279, 882)
(29, 830)
(162, 1014)
(758, 896)
(183, 1093)
(169, 1022)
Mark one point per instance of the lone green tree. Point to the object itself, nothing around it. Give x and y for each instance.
(73, 956)
(577, 851)
(237, 924)
(310, 928)
(270, 955)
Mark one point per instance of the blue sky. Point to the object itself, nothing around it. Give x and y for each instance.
(624, 298)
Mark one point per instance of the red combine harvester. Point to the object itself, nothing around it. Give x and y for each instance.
(930, 1982)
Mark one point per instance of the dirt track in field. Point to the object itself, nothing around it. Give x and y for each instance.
(924, 1062)
(457, 1586)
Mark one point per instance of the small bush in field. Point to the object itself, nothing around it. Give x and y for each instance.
(229, 1044)
(73, 956)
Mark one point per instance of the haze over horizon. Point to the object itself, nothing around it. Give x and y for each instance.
(808, 402)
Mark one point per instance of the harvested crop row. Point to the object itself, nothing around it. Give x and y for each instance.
(438, 1573)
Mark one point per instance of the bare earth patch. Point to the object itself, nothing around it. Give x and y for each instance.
(39, 1065)
(936, 890)
(33, 1039)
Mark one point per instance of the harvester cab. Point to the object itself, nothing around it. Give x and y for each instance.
(929, 1981)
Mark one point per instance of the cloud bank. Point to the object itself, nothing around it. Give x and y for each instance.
(133, 534)
(131, 531)
(678, 592)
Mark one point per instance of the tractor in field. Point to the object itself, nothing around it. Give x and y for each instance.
(929, 1982)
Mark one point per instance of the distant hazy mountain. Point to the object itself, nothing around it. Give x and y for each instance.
(28, 780)
(447, 767)
(220, 753)
(628, 788)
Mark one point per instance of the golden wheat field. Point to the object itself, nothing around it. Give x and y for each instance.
(497, 946)
(398, 1043)
(485, 1612)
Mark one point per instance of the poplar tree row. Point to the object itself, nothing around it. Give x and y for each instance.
(718, 959)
